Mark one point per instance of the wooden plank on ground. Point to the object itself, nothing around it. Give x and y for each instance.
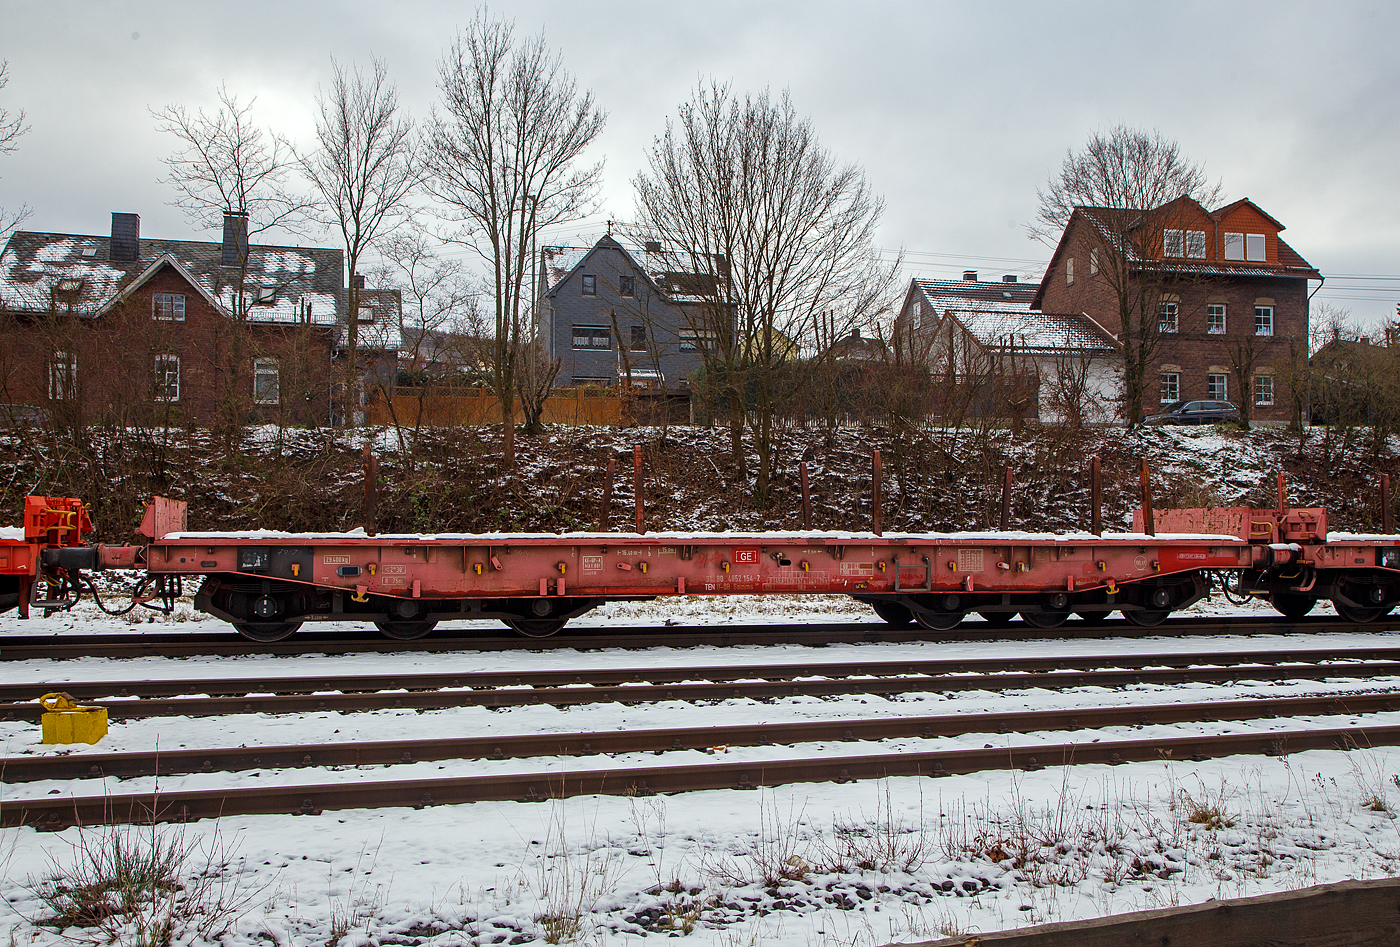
(1348, 914)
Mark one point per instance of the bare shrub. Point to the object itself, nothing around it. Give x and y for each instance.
(569, 882)
(885, 842)
(772, 857)
(143, 885)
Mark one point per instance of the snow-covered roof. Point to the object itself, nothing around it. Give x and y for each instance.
(1036, 332)
(282, 284)
(670, 272)
(976, 294)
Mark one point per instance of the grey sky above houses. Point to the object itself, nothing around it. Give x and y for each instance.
(958, 112)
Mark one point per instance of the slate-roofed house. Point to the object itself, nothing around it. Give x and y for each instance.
(1230, 296)
(118, 325)
(607, 312)
(995, 355)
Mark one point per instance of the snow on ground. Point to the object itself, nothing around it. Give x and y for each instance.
(862, 863)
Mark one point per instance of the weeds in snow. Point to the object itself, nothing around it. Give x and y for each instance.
(142, 885)
(569, 882)
(772, 856)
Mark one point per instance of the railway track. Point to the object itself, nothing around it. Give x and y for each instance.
(223, 644)
(157, 698)
(126, 765)
(56, 812)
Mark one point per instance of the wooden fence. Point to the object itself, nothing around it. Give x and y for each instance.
(472, 407)
(1349, 914)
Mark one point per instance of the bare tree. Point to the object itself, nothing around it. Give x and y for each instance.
(504, 159)
(1131, 182)
(777, 233)
(11, 127)
(223, 165)
(364, 169)
(439, 323)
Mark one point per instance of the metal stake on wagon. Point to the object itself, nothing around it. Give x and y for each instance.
(875, 491)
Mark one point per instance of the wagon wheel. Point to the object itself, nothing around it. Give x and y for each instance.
(894, 614)
(1146, 617)
(1359, 615)
(1290, 605)
(1045, 619)
(939, 621)
(535, 627)
(404, 630)
(266, 630)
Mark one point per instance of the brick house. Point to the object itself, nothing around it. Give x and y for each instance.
(175, 331)
(1230, 297)
(606, 312)
(994, 355)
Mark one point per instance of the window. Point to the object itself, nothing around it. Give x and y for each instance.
(594, 381)
(592, 337)
(1093, 262)
(1170, 388)
(1217, 387)
(1069, 272)
(166, 381)
(1215, 320)
(1263, 389)
(168, 307)
(366, 314)
(1171, 243)
(1167, 317)
(63, 376)
(267, 381)
(1196, 244)
(590, 286)
(639, 339)
(1234, 246)
(693, 340)
(626, 286)
(1263, 320)
(1254, 247)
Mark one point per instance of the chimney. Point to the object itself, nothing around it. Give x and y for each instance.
(970, 275)
(358, 280)
(855, 333)
(126, 238)
(1009, 278)
(235, 239)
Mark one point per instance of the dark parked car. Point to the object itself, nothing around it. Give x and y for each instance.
(1195, 412)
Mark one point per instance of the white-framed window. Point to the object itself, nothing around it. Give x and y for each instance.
(1215, 319)
(590, 286)
(63, 376)
(592, 337)
(1169, 389)
(1171, 243)
(1069, 271)
(365, 314)
(1254, 247)
(1195, 244)
(626, 286)
(1234, 246)
(166, 379)
(694, 340)
(1263, 320)
(1263, 390)
(1094, 262)
(267, 381)
(168, 307)
(1217, 386)
(1167, 320)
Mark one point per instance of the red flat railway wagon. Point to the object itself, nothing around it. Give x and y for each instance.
(267, 584)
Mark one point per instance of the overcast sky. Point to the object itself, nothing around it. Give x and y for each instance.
(957, 111)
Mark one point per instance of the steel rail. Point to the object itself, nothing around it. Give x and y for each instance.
(55, 812)
(126, 765)
(949, 681)
(597, 677)
(23, 648)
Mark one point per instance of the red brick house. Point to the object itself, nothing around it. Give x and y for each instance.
(136, 331)
(1230, 299)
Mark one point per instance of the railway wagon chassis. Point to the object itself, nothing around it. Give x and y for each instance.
(267, 584)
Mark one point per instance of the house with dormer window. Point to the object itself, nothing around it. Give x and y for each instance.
(1223, 298)
(126, 327)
